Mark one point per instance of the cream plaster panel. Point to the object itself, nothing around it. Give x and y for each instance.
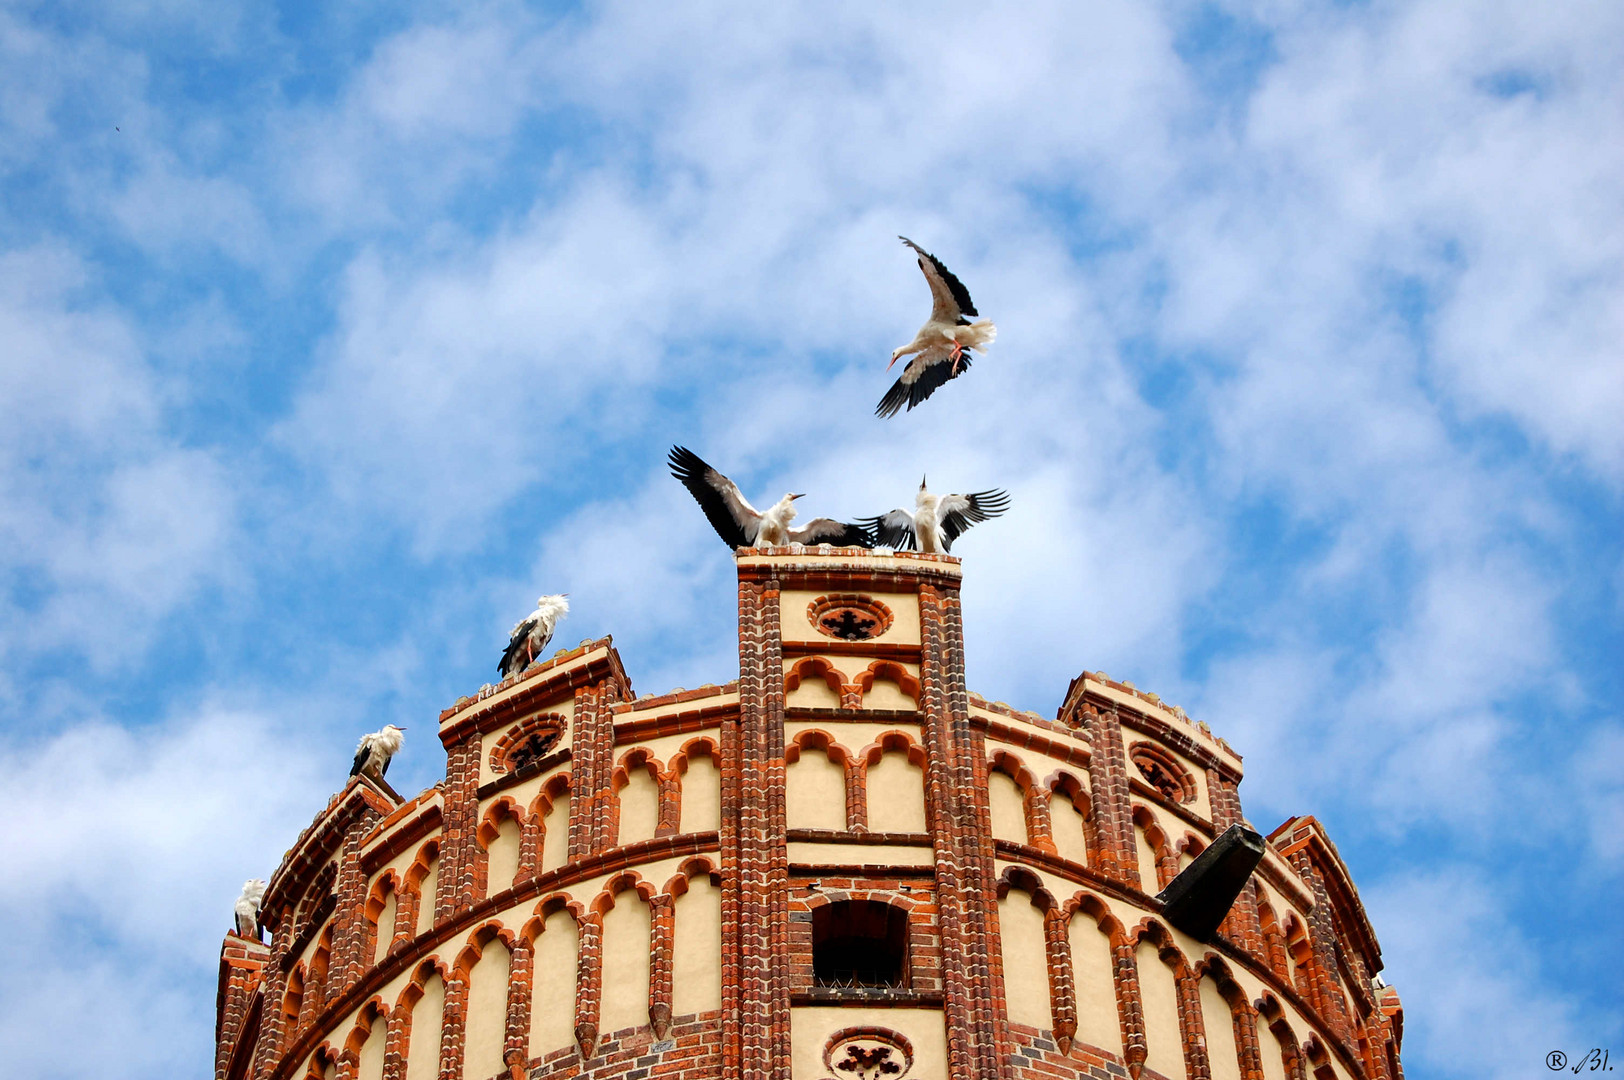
(655, 873)
(1175, 828)
(896, 794)
(701, 795)
(639, 806)
(1023, 719)
(1026, 966)
(502, 858)
(815, 792)
(1067, 827)
(1042, 766)
(523, 794)
(402, 862)
(1063, 889)
(1272, 1053)
(856, 737)
(1222, 1053)
(812, 693)
(1093, 977)
(639, 714)
(425, 907)
(626, 947)
(423, 1052)
(795, 626)
(696, 955)
(386, 927)
(1008, 808)
(555, 837)
(563, 706)
(887, 694)
(487, 1013)
(552, 994)
(1149, 879)
(1158, 992)
(667, 747)
(810, 853)
(370, 1065)
(810, 1028)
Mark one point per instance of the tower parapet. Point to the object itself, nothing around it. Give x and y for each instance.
(842, 864)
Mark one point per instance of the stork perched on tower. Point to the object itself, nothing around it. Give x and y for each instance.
(937, 520)
(943, 344)
(247, 909)
(741, 525)
(532, 633)
(373, 752)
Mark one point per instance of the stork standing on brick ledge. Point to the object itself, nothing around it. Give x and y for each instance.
(937, 520)
(373, 752)
(247, 911)
(532, 633)
(741, 525)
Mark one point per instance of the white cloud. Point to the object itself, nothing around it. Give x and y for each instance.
(103, 517)
(126, 852)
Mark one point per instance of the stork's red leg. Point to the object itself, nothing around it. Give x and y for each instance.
(958, 354)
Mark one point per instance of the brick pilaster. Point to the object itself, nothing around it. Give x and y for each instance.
(1113, 812)
(755, 859)
(457, 889)
(242, 964)
(961, 833)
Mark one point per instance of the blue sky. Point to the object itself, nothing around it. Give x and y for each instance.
(330, 339)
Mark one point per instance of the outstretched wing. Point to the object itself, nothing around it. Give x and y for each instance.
(893, 530)
(919, 380)
(730, 514)
(830, 531)
(950, 300)
(958, 512)
(362, 752)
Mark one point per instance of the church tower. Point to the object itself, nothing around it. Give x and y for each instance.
(842, 865)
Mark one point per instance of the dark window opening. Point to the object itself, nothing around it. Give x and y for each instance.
(859, 943)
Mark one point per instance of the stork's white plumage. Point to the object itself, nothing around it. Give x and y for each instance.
(373, 752)
(247, 910)
(532, 633)
(741, 525)
(937, 520)
(943, 344)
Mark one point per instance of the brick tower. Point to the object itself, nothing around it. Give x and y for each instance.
(843, 865)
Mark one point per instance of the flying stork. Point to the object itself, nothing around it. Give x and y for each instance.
(373, 752)
(532, 633)
(741, 525)
(948, 335)
(937, 520)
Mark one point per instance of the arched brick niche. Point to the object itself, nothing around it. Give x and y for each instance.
(1163, 772)
(527, 742)
(849, 616)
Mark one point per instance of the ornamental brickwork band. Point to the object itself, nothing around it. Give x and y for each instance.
(843, 865)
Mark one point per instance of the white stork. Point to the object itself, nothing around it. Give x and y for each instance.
(948, 335)
(373, 752)
(741, 525)
(532, 633)
(253, 891)
(937, 520)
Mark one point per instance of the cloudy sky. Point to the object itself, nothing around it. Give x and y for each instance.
(332, 335)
